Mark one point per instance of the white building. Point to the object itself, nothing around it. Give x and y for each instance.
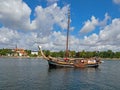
(34, 52)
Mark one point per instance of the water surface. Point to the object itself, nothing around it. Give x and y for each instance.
(34, 74)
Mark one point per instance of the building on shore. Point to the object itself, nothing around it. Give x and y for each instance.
(19, 52)
(34, 52)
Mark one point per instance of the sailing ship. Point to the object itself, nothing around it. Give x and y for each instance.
(70, 62)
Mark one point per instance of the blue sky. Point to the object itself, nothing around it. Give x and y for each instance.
(94, 24)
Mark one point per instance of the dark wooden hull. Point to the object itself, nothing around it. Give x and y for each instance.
(92, 65)
(54, 64)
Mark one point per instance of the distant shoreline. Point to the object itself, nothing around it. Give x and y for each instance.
(19, 57)
(41, 57)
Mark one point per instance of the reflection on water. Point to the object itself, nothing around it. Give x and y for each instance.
(34, 74)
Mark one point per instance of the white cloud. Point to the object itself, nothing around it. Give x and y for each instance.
(91, 40)
(89, 25)
(15, 14)
(105, 20)
(111, 32)
(108, 38)
(47, 17)
(8, 37)
(116, 1)
(59, 41)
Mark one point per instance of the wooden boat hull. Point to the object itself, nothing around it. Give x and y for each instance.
(92, 65)
(53, 64)
(56, 64)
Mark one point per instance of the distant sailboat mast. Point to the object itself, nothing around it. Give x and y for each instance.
(68, 27)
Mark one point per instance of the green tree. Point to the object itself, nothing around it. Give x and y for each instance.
(47, 52)
(61, 54)
(110, 54)
(4, 52)
(72, 53)
(117, 55)
(28, 52)
(83, 54)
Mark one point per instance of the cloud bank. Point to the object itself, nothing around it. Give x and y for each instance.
(18, 28)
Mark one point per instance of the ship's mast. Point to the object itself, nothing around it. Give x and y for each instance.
(68, 27)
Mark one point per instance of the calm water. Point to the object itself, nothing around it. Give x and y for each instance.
(34, 74)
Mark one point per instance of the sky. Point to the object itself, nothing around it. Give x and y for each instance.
(94, 24)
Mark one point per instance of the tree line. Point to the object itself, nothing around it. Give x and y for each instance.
(85, 54)
(74, 54)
